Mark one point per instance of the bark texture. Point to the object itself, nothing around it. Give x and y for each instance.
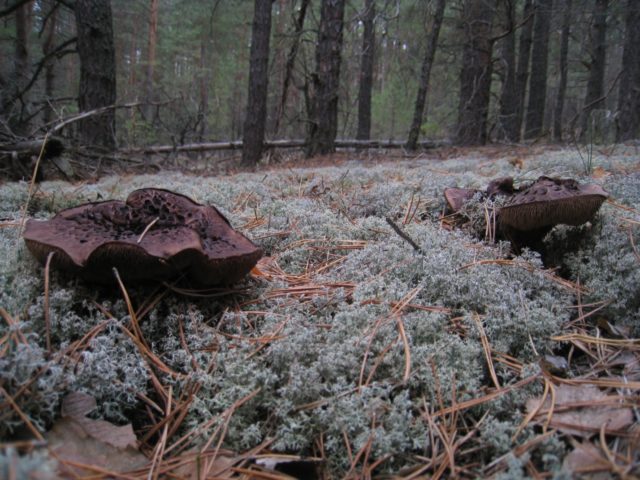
(425, 74)
(256, 114)
(323, 124)
(628, 125)
(539, 62)
(475, 77)
(97, 71)
(366, 71)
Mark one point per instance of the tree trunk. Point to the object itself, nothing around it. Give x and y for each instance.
(508, 96)
(256, 114)
(50, 74)
(538, 81)
(152, 41)
(562, 86)
(366, 71)
(628, 125)
(522, 71)
(594, 97)
(323, 124)
(425, 74)
(475, 77)
(291, 60)
(97, 71)
(17, 120)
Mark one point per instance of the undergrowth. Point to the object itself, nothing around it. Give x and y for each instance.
(346, 340)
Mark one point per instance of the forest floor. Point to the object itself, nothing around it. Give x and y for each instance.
(346, 353)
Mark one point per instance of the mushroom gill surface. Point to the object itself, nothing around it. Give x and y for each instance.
(155, 235)
(552, 201)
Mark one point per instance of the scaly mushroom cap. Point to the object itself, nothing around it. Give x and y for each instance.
(154, 236)
(552, 201)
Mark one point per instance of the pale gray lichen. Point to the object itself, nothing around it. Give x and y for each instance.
(331, 364)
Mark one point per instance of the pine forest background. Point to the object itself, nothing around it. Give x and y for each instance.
(184, 66)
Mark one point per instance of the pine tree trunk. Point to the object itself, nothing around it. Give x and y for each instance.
(49, 74)
(594, 97)
(562, 86)
(425, 74)
(628, 125)
(256, 114)
(508, 96)
(17, 120)
(539, 62)
(152, 41)
(366, 71)
(475, 77)
(522, 71)
(323, 124)
(97, 71)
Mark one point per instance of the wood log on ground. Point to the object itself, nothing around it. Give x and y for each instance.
(294, 143)
(32, 148)
(20, 157)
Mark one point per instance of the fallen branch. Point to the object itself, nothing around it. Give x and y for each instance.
(286, 143)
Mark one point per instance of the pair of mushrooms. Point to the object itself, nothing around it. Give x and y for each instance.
(529, 213)
(156, 235)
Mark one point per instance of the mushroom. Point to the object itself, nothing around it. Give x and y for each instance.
(552, 201)
(155, 235)
(457, 197)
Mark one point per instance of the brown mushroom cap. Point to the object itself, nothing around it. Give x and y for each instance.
(154, 236)
(552, 201)
(457, 197)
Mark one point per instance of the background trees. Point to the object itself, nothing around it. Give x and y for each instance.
(187, 64)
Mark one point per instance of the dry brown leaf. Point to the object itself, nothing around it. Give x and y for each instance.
(576, 411)
(586, 458)
(76, 439)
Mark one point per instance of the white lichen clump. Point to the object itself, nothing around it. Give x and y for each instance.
(330, 364)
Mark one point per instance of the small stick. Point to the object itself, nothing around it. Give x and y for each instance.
(403, 235)
(147, 228)
(47, 313)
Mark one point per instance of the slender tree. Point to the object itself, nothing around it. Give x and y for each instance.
(323, 122)
(562, 84)
(425, 74)
(475, 77)
(18, 123)
(152, 40)
(513, 129)
(594, 97)
(97, 87)
(256, 113)
(508, 96)
(539, 63)
(366, 70)
(628, 124)
(290, 63)
(50, 73)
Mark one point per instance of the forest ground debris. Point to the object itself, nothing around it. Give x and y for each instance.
(345, 345)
